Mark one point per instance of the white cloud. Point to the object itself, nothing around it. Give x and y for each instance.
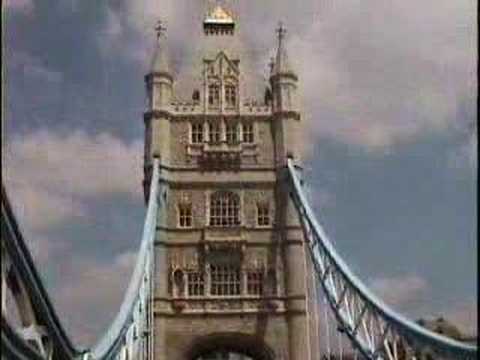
(23, 6)
(373, 74)
(399, 291)
(33, 67)
(140, 18)
(89, 294)
(380, 73)
(465, 155)
(464, 316)
(50, 176)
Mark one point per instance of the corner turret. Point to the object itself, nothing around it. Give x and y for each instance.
(283, 79)
(159, 80)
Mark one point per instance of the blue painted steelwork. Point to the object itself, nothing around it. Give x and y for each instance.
(374, 329)
(133, 325)
(42, 320)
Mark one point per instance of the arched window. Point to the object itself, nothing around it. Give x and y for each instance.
(185, 217)
(214, 132)
(178, 281)
(263, 214)
(213, 95)
(224, 209)
(255, 280)
(231, 133)
(231, 95)
(225, 279)
(247, 131)
(195, 283)
(197, 133)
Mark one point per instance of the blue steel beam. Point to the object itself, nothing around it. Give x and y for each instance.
(373, 328)
(44, 312)
(120, 337)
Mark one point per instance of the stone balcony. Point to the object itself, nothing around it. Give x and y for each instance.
(186, 107)
(227, 305)
(248, 108)
(252, 107)
(216, 234)
(220, 238)
(221, 155)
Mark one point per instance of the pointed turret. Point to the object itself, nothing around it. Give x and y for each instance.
(159, 80)
(160, 63)
(283, 79)
(281, 66)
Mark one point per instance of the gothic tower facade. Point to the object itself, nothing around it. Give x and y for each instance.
(230, 263)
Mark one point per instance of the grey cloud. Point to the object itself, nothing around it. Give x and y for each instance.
(90, 293)
(373, 74)
(401, 290)
(53, 176)
(464, 316)
(23, 6)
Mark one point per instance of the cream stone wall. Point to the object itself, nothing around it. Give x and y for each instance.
(200, 198)
(180, 333)
(277, 319)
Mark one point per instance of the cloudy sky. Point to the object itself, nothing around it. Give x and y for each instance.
(389, 91)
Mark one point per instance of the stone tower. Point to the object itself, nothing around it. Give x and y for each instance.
(230, 264)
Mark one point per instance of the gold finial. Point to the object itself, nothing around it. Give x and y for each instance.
(160, 29)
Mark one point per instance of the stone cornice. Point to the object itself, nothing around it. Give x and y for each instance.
(152, 114)
(287, 114)
(279, 76)
(149, 77)
(197, 169)
(245, 228)
(173, 116)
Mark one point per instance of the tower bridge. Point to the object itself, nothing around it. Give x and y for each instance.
(232, 256)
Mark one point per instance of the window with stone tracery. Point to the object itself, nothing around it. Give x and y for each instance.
(214, 132)
(185, 217)
(263, 214)
(224, 209)
(247, 132)
(230, 95)
(213, 95)
(255, 280)
(231, 132)
(225, 280)
(195, 283)
(197, 133)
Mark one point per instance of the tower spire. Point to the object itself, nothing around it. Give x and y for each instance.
(282, 64)
(160, 29)
(160, 61)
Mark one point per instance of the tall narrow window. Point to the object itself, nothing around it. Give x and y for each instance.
(263, 214)
(224, 280)
(214, 132)
(185, 218)
(247, 132)
(231, 95)
(255, 282)
(197, 133)
(178, 283)
(224, 209)
(195, 283)
(213, 94)
(232, 133)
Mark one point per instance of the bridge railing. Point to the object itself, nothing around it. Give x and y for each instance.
(131, 334)
(374, 329)
(38, 333)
